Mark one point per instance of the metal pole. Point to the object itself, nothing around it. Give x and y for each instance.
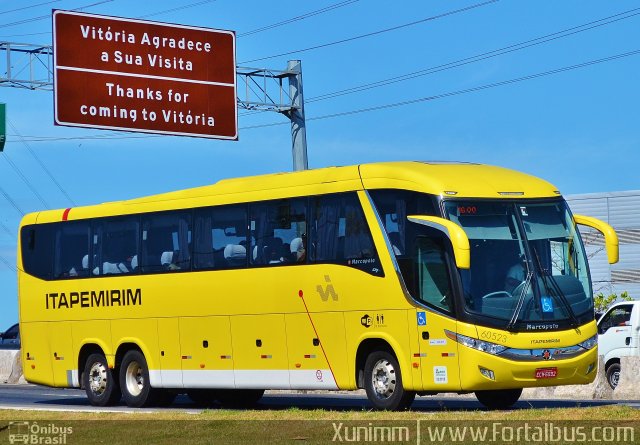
(298, 128)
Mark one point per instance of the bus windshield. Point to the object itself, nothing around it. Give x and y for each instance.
(527, 262)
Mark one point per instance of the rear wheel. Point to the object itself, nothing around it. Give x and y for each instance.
(499, 398)
(135, 384)
(613, 375)
(383, 383)
(99, 381)
(239, 398)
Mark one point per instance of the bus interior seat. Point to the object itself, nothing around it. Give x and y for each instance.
(273, 251)
(269, 251)
(83, 271)
(296, 249)
(110, 268)
(166, 258)
(169, 260)
(235, 255)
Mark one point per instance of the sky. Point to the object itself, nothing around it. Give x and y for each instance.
(545, 87)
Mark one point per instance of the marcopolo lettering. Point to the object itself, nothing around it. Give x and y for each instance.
(542, 327)
(90, 299)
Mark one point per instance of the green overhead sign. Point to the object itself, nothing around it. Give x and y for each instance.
(3, 125)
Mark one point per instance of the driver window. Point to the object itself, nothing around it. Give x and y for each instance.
(618, 316)
(433, 281)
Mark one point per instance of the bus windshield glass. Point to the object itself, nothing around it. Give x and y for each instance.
(527, 262)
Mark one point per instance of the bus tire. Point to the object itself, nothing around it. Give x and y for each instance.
(239, 398)
(134, 381)
(383, 383)
(99, 382)
(613, 375)
(499, 398)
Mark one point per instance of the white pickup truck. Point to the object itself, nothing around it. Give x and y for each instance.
(619, 336)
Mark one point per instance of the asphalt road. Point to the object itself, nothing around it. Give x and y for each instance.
(33, 397)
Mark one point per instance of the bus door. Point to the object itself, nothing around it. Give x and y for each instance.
(433, 288)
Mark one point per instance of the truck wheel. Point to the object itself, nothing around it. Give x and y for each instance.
(383, 383)
(499, 398)
(613, 375)
(99, 381)
(134, 381)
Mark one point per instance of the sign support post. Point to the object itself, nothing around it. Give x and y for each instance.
(296, 115)
(3, 125)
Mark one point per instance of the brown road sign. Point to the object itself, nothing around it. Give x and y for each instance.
(136, 75)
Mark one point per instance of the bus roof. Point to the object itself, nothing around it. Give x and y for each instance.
(462, 180)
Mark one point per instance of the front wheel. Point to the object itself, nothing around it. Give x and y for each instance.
(499, 398)
(99, 382)
(613, 375)
(134, 381)
(383, 383)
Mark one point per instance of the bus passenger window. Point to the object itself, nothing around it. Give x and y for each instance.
(278, 232)
(339, 233)
(72, 244)
(434, 286)
(165, 242)
(116, 246)
(37, 249)
(393, 207)
(220, 238)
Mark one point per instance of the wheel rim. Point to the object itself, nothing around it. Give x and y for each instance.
(615, 377)
(98, 378)
(383, 378)
(134, 379)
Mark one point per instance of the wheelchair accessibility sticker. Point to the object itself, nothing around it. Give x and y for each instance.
(547, 304)
(422, 319)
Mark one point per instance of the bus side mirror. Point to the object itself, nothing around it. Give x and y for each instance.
(454, 232)
(610, 237)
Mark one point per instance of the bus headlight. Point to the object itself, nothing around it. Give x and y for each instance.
(590, 343)
(474, 343)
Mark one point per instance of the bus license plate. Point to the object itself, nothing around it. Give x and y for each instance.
(546, 373)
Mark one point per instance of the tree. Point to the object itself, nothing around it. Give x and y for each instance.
(603, 302)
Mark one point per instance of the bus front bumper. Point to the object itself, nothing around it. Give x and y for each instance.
(482, 371)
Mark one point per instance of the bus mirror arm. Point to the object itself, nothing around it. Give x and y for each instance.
(610, 237)
(454, 232)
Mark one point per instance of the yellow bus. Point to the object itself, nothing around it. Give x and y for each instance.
(401, 278)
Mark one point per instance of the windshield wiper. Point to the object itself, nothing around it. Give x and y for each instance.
(574, 320)
(516, 312)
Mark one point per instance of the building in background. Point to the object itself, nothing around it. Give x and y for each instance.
(622, 211)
